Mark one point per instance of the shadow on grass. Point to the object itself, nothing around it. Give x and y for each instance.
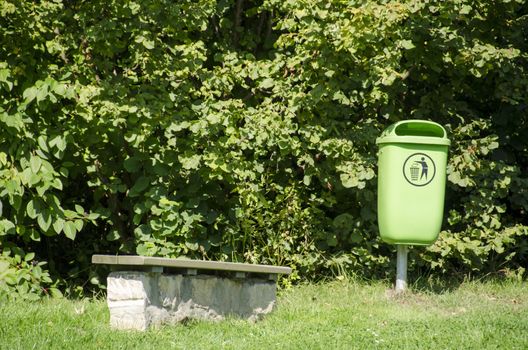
(434, 284)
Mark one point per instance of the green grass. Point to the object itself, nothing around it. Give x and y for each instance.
(337, 315)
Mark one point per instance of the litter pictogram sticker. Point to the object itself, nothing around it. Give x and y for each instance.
(419, 169)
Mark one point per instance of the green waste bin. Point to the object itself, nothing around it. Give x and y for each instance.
(411, 181)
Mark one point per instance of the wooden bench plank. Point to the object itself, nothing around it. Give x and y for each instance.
(135, 260)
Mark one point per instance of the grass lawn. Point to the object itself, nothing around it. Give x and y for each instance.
(336, 315)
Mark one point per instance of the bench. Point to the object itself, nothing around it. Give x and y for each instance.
(144, 291)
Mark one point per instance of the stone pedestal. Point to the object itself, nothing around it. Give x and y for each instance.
(139, 299)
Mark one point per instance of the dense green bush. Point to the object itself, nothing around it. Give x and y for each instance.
(244, 130)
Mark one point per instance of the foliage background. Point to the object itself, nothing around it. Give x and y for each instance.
(245, 130)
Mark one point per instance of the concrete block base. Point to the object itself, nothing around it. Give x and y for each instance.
(139, 299)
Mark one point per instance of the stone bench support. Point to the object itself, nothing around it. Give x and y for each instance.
(144, 291)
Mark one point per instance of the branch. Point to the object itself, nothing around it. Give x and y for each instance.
(238, 20)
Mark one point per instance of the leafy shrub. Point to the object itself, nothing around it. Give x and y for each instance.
(244, 130)
(21, 273)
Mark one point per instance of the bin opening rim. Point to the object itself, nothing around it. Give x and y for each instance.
(419, 128)
(414, 140)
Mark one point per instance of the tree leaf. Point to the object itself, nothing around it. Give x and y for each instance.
(113, 235)
(57, 183)
(69, 230)
(407, 44)
(30, 209)
(42, 143)
(35, 163)
(132, 164)
(78, 224)
(141, 184)
(29, 256)
(267, 83)
(30, 94)
(58, 225)
(465, 10)
(79, 209)
(44, 220)
(7, 227)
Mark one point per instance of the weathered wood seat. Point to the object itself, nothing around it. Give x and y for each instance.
(155, 264)
(151, 290)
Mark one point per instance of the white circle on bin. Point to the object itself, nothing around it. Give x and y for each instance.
(419, 169)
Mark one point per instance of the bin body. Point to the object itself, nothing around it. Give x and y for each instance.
(412, 165)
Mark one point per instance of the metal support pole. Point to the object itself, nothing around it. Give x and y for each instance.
(401, 268)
